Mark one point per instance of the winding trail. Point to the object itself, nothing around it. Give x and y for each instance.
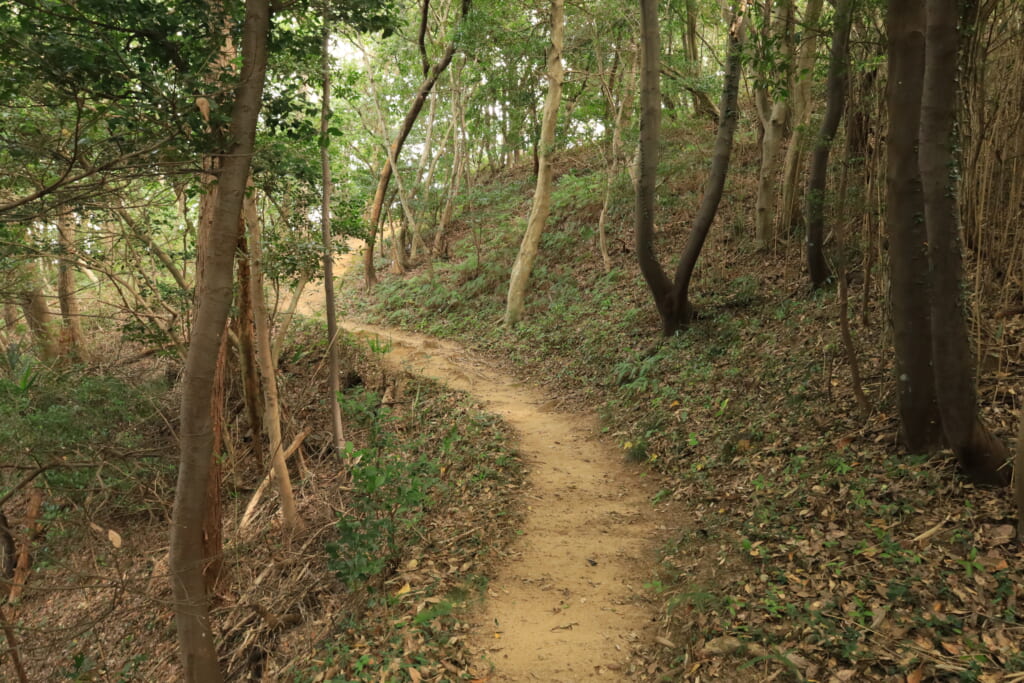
(567, 603)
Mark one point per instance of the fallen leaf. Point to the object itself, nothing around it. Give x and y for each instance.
(114, 538)
(664, 641)
(403, 590)
(1000, 535)
(723, 645)
(414, 675)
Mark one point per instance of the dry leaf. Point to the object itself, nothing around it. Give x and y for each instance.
(1000, 535)
(403, 590)
(414, 675)
(114, 538)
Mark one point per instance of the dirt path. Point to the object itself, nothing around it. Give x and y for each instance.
(568, 602)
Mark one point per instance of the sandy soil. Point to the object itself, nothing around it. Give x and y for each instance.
(567, 604)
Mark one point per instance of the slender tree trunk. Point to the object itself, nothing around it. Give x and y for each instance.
(213, 527)
(195, 634)
(247, 352)
(72, 336)
(10, 315)
(618, 113)
(1018, 477)
(458, 161)
(395, 150)
(268, 371)
(287, 316)
(730, 112)
(920, 425)
(816, 184)
(692, 54)
(333, 365)
(775, 120)
(982, 456)
(541, 209)
(672, 296)
(800, 86)
(37, 315)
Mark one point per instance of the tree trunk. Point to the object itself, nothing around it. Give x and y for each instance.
(213, 527)
(333, 366)
(982, 456)
(71, 336)
(541, 208)
(247, 352)
(37, 315)
(775, 120)
(287, 316)
(268, 371)
(395, 150)
(195, 635)
(672, 296)
(10, 316)
(647, 167)
(817, 181)
(617, 111)
(1018, 477)
(800, 87)
(920, 425)
(458, 160)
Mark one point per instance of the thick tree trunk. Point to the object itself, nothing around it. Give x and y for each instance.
(395, 151)
(672, 296)
(982, 456)
(817, 182)
(647, 167)
(800, 87)
(333, 366)
(920, 425)
(541, 208)
(195, 635)
(268, 371)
